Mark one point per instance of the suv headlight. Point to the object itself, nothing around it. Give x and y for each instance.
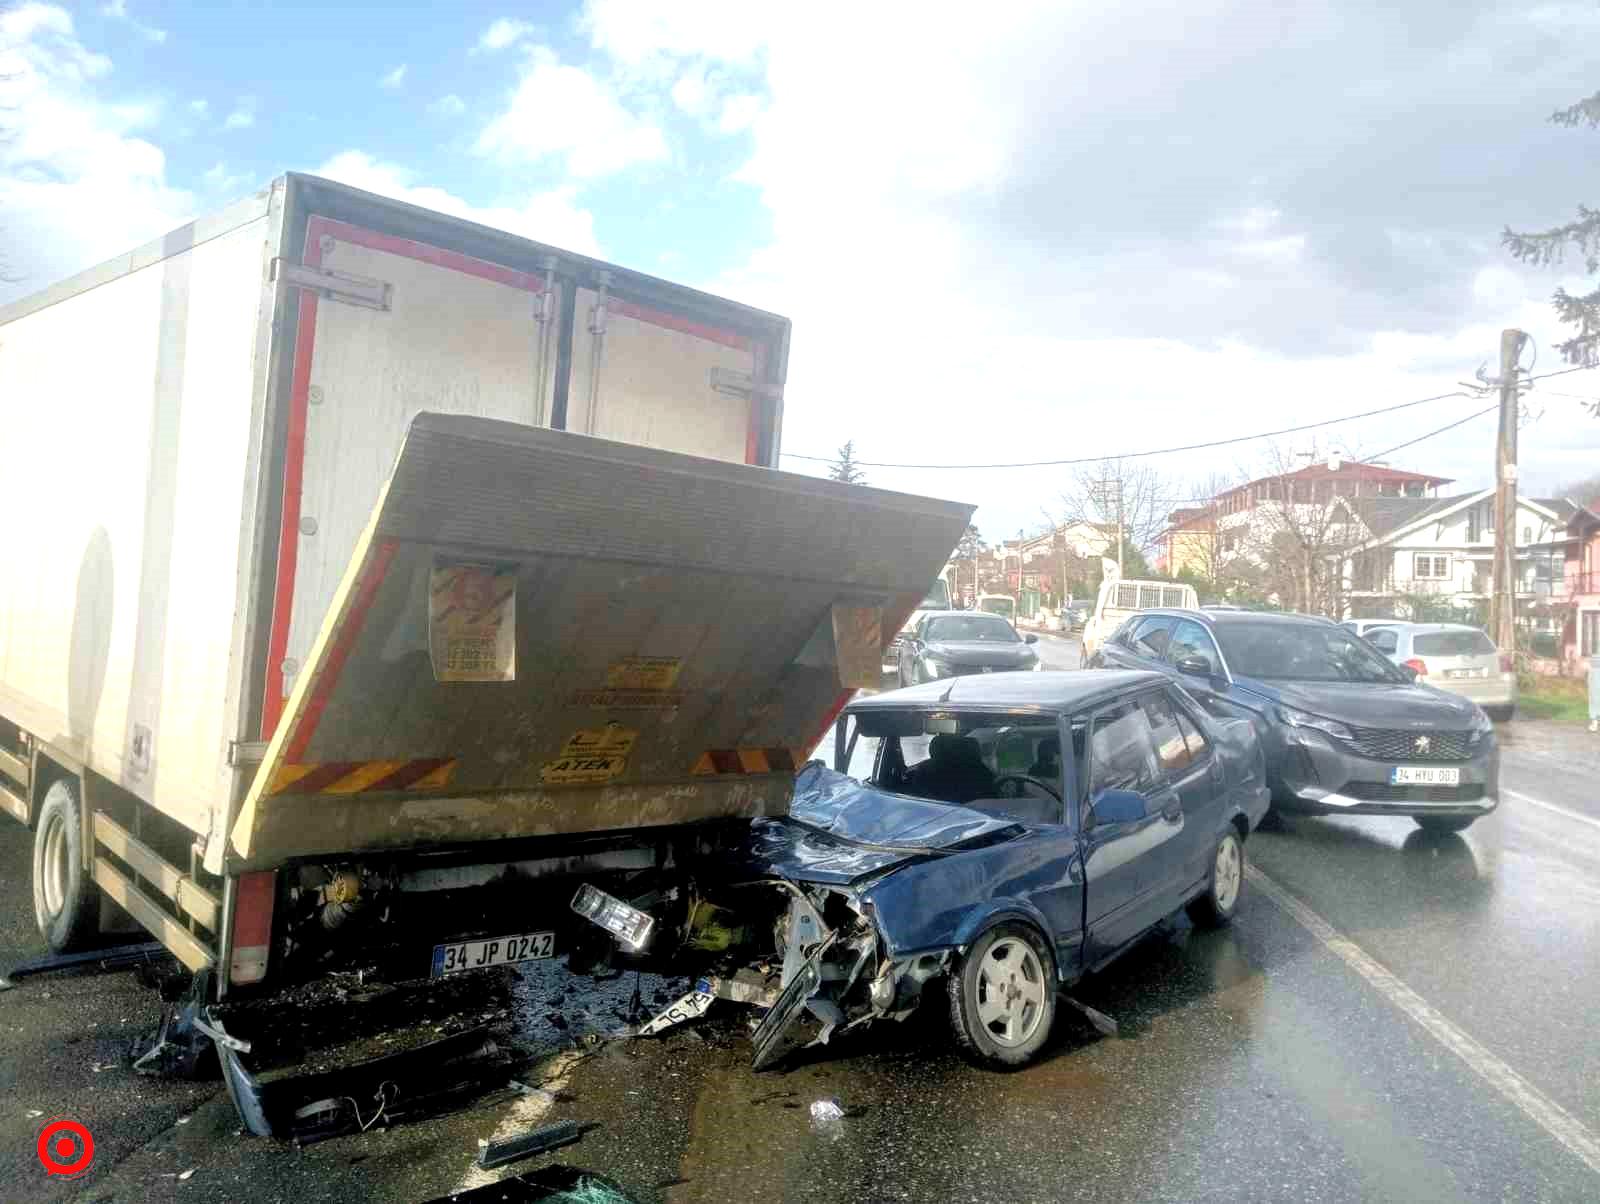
(1481, 724)
(1328, 727)
(933, 664)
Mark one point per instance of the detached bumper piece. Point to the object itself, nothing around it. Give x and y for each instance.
(547, 1185)
(425, 1081)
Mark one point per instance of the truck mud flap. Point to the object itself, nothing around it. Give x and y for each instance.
(541, 633)
(419, 1082)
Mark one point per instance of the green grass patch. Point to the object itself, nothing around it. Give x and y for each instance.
(1564, 699)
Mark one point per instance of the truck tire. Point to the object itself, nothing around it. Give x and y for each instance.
(1003, 996)
(66, 902)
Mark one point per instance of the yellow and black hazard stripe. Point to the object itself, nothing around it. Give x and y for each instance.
(360, 777)
(745, 760)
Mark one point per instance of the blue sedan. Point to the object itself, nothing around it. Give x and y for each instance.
(1001, 836)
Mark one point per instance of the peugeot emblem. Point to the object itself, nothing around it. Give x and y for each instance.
(1423, 744)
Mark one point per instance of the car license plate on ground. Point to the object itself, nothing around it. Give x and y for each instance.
(1424, 775)
(494, 951)
(1457, 673)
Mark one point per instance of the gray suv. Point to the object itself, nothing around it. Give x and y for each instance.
(1345, 731)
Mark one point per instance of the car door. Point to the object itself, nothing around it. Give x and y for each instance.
(1143, 646)
(1123, 880)
(1189, 770)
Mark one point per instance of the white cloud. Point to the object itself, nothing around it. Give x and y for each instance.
(739, 113)
(552, 216)
(243, 115)
(199, 107)
(904, 149)
(118, 10)
(503, 33)
(694, 92)
(218, 179)
(78, 180)
(393, 79)
(449, 105)
(565, 113)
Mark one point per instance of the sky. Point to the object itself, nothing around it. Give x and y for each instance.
(1035, 231)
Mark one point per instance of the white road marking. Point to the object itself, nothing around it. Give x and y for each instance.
(1538, 1107)
(1539, 802)
(526, 1112)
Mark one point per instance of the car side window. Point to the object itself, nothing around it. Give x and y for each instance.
(1384, 639)
(1172, 750)
(1121, 755)
(1150, 639)
(1191, 639)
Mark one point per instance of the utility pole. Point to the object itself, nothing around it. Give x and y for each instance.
(1503, 608)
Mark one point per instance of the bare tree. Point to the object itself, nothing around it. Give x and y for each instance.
(1125, 498)
(1298, 533)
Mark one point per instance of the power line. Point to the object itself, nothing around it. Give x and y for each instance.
(1389, 451)
(1188, 447)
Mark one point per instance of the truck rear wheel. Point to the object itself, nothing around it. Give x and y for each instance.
(65, 902)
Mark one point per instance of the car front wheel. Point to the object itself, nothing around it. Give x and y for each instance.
(1216, 906)
(1003, 996)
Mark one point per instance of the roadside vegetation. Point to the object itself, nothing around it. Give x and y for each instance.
(1564, 699)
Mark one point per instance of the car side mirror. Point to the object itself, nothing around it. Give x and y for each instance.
(1195, 666)
(1119, 806)
(1030, 638)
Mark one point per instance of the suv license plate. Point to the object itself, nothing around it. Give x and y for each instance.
(1424, 775)
(494, 951)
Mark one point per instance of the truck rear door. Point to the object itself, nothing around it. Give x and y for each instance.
(389, 327)
(540, 633)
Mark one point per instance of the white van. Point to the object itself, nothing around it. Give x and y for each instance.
(1003, 605)
(1119, 598)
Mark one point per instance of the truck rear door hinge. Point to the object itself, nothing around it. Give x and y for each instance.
(247, 752)
(742, 384)
(335, 286)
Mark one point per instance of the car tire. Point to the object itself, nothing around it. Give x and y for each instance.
(1442, 824)
(1216, 905)
(1500, 714)
(66, 903)
(1003, 996)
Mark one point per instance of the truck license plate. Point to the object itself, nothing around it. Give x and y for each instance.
(1459, 673)
(495, 951)
(1424, 775)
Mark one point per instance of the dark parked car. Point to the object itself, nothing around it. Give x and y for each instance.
(955, 643)
(1344, 730)
(999, 837)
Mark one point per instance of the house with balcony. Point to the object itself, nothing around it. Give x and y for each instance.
(1434, 558)
(1580, 631)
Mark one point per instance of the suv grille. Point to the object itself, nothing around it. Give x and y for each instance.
(1388, 744)
(1382, 792)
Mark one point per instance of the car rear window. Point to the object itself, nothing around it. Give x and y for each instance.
(1452, 643)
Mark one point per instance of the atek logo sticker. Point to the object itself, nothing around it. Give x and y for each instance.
(65, 1148)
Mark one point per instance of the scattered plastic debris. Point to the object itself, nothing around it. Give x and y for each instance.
(1103, 1024)
(183, 1120)
(536, 1141)
(34, 1114)
(827, 1119)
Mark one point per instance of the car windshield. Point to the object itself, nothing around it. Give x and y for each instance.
(937, 598)
(1302, 652)
(967, 759)
(1453, 643)
(978, 629)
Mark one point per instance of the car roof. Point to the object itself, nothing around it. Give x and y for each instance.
(1219, 619)
(1435, 628)
(1057, 690)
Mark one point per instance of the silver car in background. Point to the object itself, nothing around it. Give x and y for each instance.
(1453, 657)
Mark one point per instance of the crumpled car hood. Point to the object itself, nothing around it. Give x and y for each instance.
(839, 830)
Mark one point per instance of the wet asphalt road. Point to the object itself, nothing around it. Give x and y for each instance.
(1255, 1063)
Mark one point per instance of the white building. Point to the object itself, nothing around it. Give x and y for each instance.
(1443, 548)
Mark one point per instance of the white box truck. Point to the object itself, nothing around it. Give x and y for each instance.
(381, 569)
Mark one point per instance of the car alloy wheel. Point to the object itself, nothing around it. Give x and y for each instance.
(1011, 991)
